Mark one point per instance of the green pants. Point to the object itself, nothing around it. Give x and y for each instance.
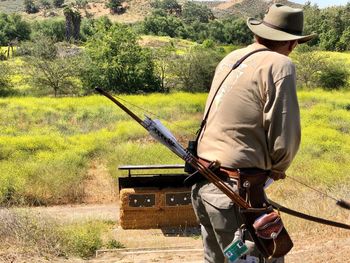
(219, 219)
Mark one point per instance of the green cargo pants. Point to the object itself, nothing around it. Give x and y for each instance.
(219, 219)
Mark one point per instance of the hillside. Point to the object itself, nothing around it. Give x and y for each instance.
(138, 9)
(243, 8)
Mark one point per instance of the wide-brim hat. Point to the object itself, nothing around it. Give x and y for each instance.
(280, 23)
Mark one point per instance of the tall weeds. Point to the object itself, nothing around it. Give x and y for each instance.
(23, 232)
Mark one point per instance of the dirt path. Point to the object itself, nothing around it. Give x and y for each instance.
(69, 213)
(154, 245)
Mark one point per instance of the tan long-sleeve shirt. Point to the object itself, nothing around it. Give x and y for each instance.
(254, 120)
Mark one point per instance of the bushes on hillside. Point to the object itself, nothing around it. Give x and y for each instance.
(197, 23)
(192, 11)
(51, 28)
(161, 24)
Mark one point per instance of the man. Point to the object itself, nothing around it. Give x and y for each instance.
(252, 124)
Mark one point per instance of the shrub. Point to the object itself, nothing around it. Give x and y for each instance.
(334, 76)
(30, 7)
(83, 239)
(58, 3)
(169, 6)
(42, 235)
(30, 232)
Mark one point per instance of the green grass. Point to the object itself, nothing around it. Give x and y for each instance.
(47, 144)
(324, 156)
(337, 56)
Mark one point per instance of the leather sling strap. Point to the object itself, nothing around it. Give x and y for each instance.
(239, 62)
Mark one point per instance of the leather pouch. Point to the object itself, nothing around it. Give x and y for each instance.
(268, 226)
(268, 232)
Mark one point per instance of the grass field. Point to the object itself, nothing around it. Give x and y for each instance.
(47, 144)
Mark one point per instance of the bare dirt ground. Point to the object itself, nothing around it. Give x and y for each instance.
(322, 244)
(312, 242)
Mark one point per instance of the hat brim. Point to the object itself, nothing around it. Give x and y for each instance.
(261, 30)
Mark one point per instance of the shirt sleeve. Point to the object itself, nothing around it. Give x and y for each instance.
(282, 122)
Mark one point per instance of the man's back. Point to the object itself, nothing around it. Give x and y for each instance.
(245, 108)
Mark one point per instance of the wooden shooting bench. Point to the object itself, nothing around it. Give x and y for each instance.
(153, 196)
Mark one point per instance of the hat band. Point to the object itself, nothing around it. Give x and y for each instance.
(293, 32)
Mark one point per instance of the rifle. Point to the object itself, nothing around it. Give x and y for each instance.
(272, 245)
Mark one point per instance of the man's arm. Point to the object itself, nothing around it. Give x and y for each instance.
(282, 124)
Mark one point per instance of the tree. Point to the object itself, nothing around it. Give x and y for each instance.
(116, 62)
(13, 27)
(194, 70)
(90, 26)
(344, 42)
(30, 7)
(237, 32)
(312, 17)
(163, 57)
(309, 65)
(48, 69)
(73, 20)
(159, 23)
(116, 6)
(193, 11)
(171, 7)
(216, 31)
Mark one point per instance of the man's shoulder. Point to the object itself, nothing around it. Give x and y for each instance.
(280, 60)
(279, 65)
